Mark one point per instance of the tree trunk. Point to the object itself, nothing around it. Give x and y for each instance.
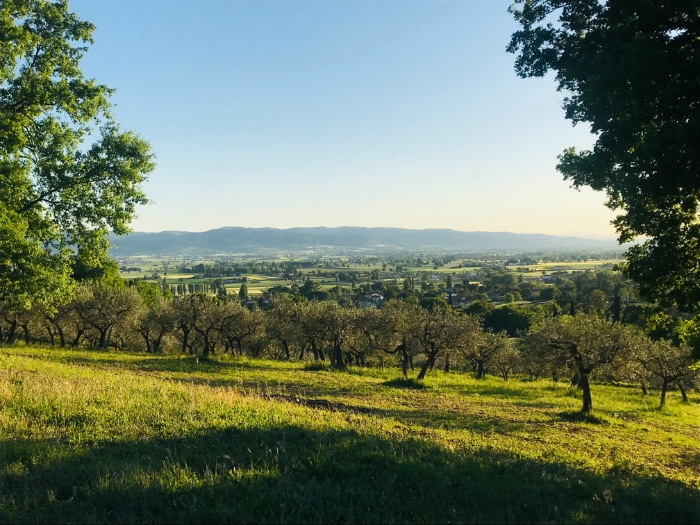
(576, 380)
(11, 332)
(447, 362)
(75, 342)
(52, 335)
(481, 371)
(103, 339)
(681, 387)
(427, 365)
(664, 389)
(644, 389)
(337, 353)
(157, 342)
(404, 361)
(586, 388)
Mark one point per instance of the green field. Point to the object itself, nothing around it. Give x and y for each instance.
(115, 437)
(324, 270)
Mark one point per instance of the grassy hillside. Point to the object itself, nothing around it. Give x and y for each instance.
(107, 437)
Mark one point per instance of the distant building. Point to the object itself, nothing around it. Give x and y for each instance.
(370, 300)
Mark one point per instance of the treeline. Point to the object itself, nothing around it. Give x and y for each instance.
(402, 333)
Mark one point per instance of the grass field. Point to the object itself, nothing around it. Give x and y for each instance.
(115, 437)
(567, 266)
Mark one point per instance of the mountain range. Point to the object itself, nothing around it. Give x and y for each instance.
(235, 240)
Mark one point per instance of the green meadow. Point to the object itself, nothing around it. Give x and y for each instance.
(107, 437)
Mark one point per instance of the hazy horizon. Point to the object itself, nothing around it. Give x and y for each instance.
(294, 113)
(581, 235)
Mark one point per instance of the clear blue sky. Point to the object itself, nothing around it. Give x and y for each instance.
(338, 113)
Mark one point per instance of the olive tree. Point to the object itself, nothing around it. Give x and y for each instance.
(440, 332)
(586, 343)
(105, 308)
(155, 321)
(671, 364)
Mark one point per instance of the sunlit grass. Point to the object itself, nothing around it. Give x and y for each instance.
(113, 437)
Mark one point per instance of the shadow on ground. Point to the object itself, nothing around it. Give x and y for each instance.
(292, 475)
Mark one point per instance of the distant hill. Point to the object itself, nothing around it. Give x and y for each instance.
(234, 240)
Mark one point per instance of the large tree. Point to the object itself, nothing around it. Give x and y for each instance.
(68, 174)
(632, 71)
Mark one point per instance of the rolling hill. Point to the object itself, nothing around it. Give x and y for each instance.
(236, 240)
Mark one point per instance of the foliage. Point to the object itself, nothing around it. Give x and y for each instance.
(104, 308)
(630, 71)
(586, 343)
(485, 348)
(670, 363)
(514, 320)
(59, 193)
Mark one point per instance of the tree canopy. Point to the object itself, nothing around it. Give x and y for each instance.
(68, 174)
(632, 71)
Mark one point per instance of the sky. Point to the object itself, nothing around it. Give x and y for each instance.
(289, 113)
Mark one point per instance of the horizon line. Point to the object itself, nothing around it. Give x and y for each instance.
(590, 236)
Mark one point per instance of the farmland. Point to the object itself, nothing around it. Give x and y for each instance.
(261, 274)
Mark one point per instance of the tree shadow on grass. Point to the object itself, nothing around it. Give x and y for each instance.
(424, 418)
(410, 384)
(289, 474)
(150, 362)
(576, 416)
(498, 391)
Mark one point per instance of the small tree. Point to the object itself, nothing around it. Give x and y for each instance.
(393, 332)
(484, 348)
(671, 364)
(507, 360)
(586, 343)
(280, 325)
(201, 316)
(441, 331)
(340, 331)
(308, 316)
(240, 325)
(154, 323)
(104, 307)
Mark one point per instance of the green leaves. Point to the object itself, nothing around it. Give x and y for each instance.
(630, 70)
(57, 189)
(29, 273)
